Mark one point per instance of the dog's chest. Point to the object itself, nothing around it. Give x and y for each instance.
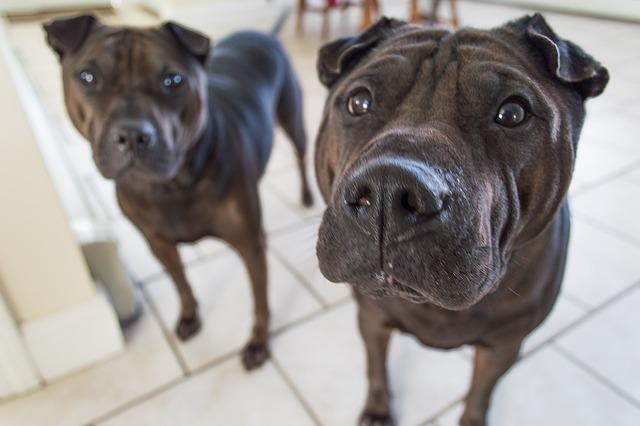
(448, 330)
(444, 329)
(179, 217)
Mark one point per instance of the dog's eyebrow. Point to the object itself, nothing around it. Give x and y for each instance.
(380, 61)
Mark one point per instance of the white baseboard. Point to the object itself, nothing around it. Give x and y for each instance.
(74, 339)
(17, 374)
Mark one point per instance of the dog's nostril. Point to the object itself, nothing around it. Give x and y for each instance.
(121, 142)
(409, 202)
(360, 198)
(143, 139)
(428, 206)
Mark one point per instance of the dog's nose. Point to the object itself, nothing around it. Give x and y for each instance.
(398, 191)
(129, 134)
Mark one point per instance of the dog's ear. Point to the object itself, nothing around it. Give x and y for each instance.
(337, 57)
(195, 43)
(565, 60)
(66, 35)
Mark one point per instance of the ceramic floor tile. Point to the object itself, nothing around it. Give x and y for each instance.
(450, 417)
(282, 154)
(615, 204)
(596, 162)
(615, 131)
(547, 389)
(599, 265)
(633, 176)
(564, 313)
(224, 395)
(146, 364)
(221, 286)
(286, 184)
(276, 214)
(209, 246)
(325, 360)
(616, 354)
(298, 248)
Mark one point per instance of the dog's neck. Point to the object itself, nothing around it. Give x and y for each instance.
(198, 159)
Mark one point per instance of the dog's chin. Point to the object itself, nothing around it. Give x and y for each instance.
(135, 173)
(383, 285)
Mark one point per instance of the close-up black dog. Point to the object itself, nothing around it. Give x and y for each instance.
(445, 159)
(186, 132)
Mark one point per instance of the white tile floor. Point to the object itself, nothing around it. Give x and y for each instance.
(579, 368)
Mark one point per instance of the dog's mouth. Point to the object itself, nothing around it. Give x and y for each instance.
(384, 284)
(132, 168)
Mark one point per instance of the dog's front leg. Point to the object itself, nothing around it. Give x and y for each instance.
(251, 248)
(375, 334)
(490, 364)
(167, 253)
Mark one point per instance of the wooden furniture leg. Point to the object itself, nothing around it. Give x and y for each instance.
(302, 8)
(454, 14)
(368, 7)
(414, 13)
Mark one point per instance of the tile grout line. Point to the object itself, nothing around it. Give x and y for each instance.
(605, 228)
(165, 387)
(168, 337)
(441, 412)
(588, 314)
(215, 363)
(617, 174)
(595, 375)
(296, 392)
(140, 399)
(578, 302)
(306, 285)
(310, 317)
(551, 341)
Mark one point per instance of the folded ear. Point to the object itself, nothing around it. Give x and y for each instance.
(67, 35)
(565, 60)
(193, 42)
(339, 56)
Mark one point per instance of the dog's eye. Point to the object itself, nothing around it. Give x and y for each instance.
(172, 80)
(512, 112)
(360, 102)
(87, 78)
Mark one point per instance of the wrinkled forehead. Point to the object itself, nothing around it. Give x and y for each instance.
(125, 49)
(469, 61)
(465, 46)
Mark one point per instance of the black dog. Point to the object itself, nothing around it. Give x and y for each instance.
(186, 134)
(445, 159)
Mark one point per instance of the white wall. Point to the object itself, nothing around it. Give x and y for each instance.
(64, 321)
(621, 9)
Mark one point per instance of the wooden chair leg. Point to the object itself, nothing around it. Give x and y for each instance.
(324, 33)
(367, 14)
(376, 8)
(454, 14)
(302, 8)
(414, 13)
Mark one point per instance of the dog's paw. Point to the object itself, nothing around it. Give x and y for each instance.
(472, 420)
(254, 355)
(307, 198)
(372, 419)
(188, 327)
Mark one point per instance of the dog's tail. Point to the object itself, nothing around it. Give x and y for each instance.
(282, 19)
